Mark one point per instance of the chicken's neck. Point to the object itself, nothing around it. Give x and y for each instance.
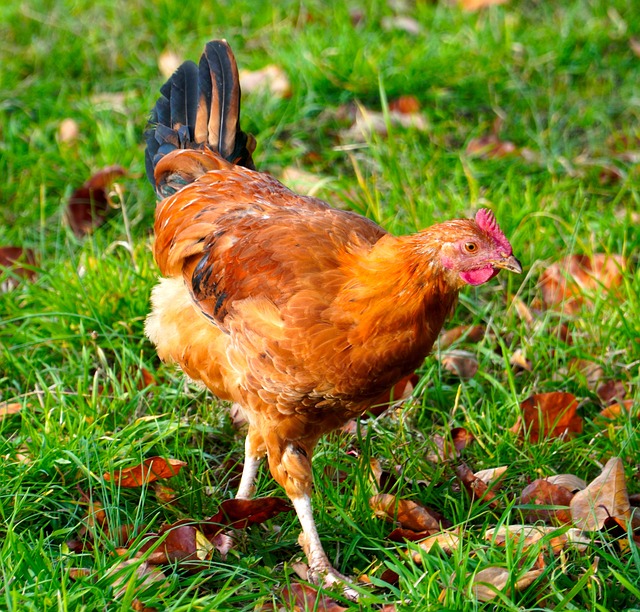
(401, 281)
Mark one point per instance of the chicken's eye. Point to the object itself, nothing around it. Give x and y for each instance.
(470, 247)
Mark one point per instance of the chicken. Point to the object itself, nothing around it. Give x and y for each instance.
(301, 314)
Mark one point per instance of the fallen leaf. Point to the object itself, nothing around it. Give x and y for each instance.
(164, 494)
(544, 493)
(445, 448)
(475, 487)
(400, 392)
(634, 43)
(624, 408)
(78, 573)
(447, 541)
(15, 263)
(368, 122)
(528, 535)
(590, 371)
(612, 391)
(549, 415)
(486, 583)
(401, 22)
(461, 363)
(240, 513)
(491, 146)
(9, 408)
(476, 5)
(606, 496)
(68, 130)
(148, 471)
(146, 575)
(182, 542)
(491, 476)
(519, 361)
(564, 284)
(88, 205)
(409, 514)
(406, 105)
(468, 333)
(568, 481)
(271, 79)
(168, 63)
(305, 597)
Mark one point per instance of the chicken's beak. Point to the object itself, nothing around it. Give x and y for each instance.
(509, 263)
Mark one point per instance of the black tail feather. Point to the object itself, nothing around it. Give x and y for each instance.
(198, 106)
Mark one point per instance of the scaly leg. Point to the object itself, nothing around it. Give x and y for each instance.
(253, 455)
(320, 568)
(291, 467)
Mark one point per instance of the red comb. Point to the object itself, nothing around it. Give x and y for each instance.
(487, 222)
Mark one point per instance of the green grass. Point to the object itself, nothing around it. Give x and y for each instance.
(564, 80)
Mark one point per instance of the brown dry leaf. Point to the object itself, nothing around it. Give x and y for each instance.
(589, 370)
(146, 573)
(400, 392)
(68, 130)
(88, 205)
(271, 79)
(183, 543)
(368, 122)
(634, 43)
(447, 541)
(406, 105)
(9, 408)
(487, 582)
(164, 494)
(492, 476)
(78, 573)
(549, 415)
(461, 363)
(491, 147)
(476, 5)
(148, 471)
(612, 391)
(240, 513)
(449, 447)
(519, 361)
(606, 496)
(528, 535)
(476, 488)
(620, 409)
(470, 334)
(401, 22)
(563, 284)
(543, 493)
(568, 481)
(18, 263)
(305, 597)
(409, 514)
(168, 63)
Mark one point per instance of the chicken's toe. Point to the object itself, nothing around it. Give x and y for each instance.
(330, 578)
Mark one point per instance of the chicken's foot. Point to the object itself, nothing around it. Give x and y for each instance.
(320, 569)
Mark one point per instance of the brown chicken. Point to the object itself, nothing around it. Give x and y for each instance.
(301, 314)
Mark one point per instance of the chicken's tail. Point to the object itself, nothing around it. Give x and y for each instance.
(199, 107)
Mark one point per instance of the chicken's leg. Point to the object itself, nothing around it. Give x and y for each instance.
(292, 469)
(254, 452)
(320, 568)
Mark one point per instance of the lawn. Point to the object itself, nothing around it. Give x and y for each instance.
(531, 109)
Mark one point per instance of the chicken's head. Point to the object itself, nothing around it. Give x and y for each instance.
(480, 251)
